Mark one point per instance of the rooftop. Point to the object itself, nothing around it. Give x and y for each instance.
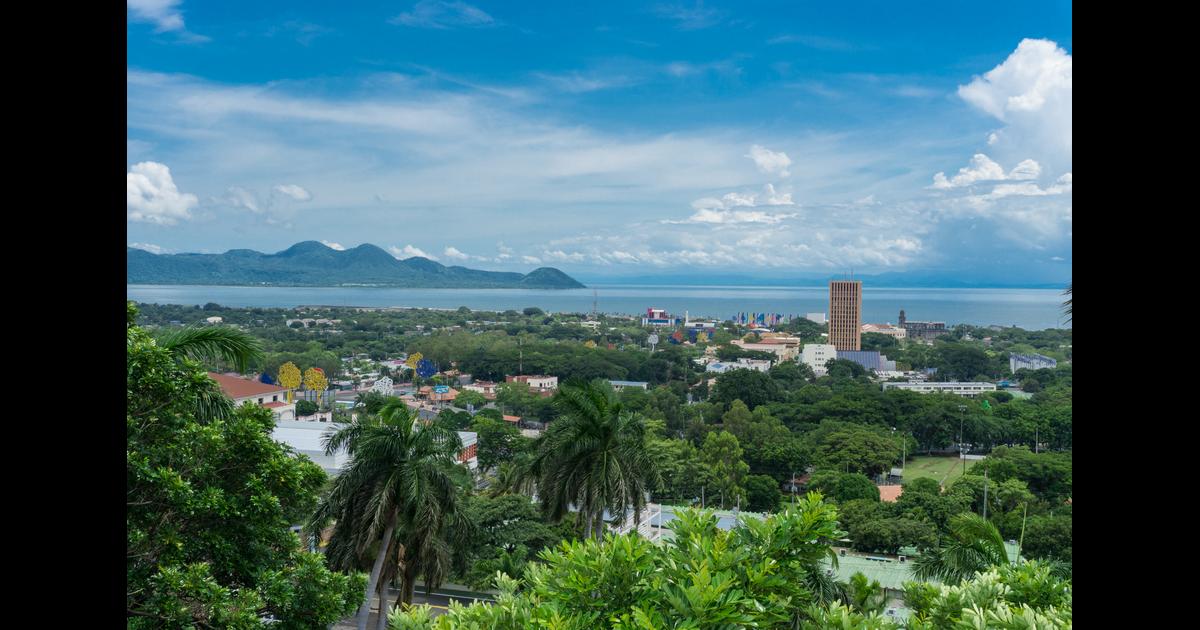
(237, 387)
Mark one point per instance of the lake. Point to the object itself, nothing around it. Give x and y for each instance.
(1031, 309)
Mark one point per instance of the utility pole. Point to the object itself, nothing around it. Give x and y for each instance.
(1035, 440)
(701, 497)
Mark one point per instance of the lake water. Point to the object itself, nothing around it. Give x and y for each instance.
(1031, 309)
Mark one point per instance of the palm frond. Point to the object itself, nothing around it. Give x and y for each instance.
(214, 343)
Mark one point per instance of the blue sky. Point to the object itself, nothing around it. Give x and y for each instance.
(613, 139)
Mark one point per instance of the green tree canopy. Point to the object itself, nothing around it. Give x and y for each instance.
(189, 561)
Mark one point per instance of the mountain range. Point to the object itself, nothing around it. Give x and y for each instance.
(315, 264)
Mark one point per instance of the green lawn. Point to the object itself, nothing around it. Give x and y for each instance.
(943, 470)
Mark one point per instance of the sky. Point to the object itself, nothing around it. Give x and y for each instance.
(610, 139)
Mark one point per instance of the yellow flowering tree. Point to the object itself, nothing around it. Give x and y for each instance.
(314, 379)
(590, 344)
(289, 377)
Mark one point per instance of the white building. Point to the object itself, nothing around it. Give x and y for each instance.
(620, 385)
(593, 324)
(535, 382)
(214, 320)
(969, 390)
(815, 317)
(786, 348)
(742, 363)
(306, 438)
(886, 329)
(816, 355)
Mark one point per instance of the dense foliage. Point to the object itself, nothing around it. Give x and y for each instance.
(210, 499)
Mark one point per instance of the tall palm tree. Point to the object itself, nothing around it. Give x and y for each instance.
(974, 545)
(1067, 304)
(593, 457)
(392, 500)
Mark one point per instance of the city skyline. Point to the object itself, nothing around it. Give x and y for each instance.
(692, 138)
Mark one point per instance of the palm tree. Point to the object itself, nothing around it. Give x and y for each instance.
(213, 344)
(395, 500)
(593, 457)
(974, 545)
(1067, 304)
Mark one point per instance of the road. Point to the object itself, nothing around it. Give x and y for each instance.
(438, 601)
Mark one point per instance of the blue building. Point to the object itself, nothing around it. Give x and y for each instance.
(1030, 362)
(871, 360)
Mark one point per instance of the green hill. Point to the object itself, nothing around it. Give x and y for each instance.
(314, 264)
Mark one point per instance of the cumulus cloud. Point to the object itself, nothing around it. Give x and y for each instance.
(444, 15)
(768, 161)
(984, 169)
(454, 254)
(1037, 73)
(531, 260)
(408, 252)
(295, 192)
(727, 208)
(152, 197)
(981, 168)
(1031, 92)
(332, 245)
(1026, 169)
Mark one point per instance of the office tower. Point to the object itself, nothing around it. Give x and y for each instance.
(845, 314)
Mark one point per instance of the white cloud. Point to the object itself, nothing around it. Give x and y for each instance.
(531, 260)
(150, 247)
(454, 254)
(163, 13)
(1030, 189)
(295, 192)
(242, 198)
(981, 168)
(690, 18)
(444, 15)
(1035, 74)
(1031, 92)
(332, 245)
(723, 210)
(769, 161)
(1027, 169)
(152, 197)
(408, 252)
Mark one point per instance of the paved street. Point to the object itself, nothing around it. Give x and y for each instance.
(439, 602)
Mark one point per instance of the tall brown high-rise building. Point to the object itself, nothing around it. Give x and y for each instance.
(845, 314)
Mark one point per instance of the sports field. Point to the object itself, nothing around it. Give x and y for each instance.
(943, 470)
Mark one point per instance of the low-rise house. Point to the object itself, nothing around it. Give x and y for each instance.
(249, 391)
(620, 385)
(487, 388)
